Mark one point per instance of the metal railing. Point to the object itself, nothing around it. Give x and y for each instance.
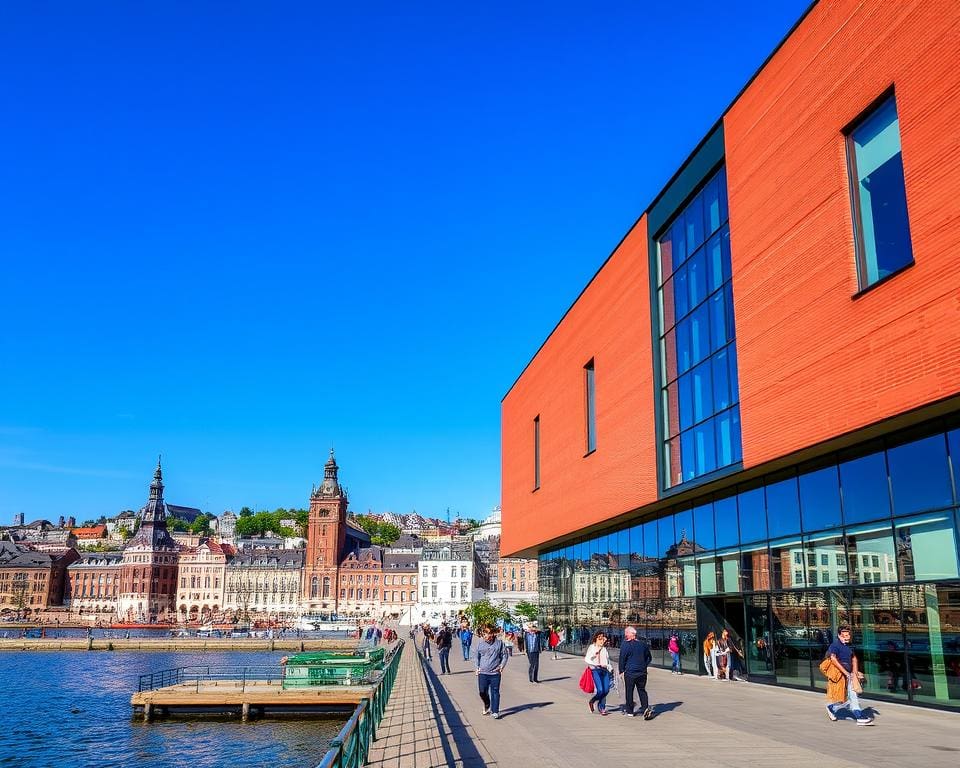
(350, 747)
(198, 675)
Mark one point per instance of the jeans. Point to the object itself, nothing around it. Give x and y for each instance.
(465, 647)
(490, 691)
(638, 681)
(675, 655)
(707, 665)
(601, 684)
(426, 649)
(852, 702)
(533, 670)
(444, 654)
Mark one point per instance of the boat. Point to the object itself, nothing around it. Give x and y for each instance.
(312, 623)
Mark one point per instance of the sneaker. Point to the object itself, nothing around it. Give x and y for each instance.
(864, 721)
(648, 713)
(833, 717)
(485, 712)
(495, 715)
(604, 712)
(630, 714)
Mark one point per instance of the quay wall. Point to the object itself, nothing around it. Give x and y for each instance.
(172, 644)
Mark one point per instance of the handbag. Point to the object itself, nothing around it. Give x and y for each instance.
(586, 681)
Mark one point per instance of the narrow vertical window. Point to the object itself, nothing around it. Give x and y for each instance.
(589, 375)
(536, 453)
(878, 195)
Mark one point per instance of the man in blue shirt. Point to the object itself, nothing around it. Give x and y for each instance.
(531, 642)
(491, 657)
(635, 656)
(844, 659)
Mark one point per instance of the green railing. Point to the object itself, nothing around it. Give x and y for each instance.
(352, 745)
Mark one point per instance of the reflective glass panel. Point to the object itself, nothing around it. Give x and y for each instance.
(932, 626)
(825, 560)
(788, 563)
(791, 641)
(758, 645)
(666, 536)
(703, 526)
(726, 525)
(755, 567)
(927, 547)
(783, 507)
(863, 484)
(878, 635)
(753, 516)
(920, 475)
(707, 568)
(728, 563)
(820, 498)
(871, 555)
(953, 441)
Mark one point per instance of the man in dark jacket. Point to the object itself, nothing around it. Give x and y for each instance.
(634, 658)
(444, 641)
(531, 642)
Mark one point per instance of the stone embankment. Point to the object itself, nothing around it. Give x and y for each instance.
(291, 644)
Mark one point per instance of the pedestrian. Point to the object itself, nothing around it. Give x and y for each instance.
(843, 660)
(492, 657)
(466, 638)
(674, 647)
(444, 641)
(723, 656)
(427, 638)
(598, 660)
(554, 641)
(635, 657)
(531, 641)
(709, 642)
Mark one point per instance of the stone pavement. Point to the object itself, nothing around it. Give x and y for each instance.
(699, 722)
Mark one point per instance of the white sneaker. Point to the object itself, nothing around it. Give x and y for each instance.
(864, 721)
(485, 712)
(833, 717)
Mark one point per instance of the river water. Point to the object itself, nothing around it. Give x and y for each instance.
(72, 710)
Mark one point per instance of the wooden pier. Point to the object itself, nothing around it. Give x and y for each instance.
(247, 698)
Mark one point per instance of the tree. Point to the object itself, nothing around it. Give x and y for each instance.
(526, 609)
(201, 525)
(245, 512)
(484, 612)
(381, 533)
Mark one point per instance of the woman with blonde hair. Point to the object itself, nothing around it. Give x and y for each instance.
(708, 645)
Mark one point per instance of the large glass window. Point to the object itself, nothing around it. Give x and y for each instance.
(927, 547)
(820, 498)
(783, 506)
(863, 483)
(878, 194)
(870, 554)
(919, 475)
(753, 516)
(698, 358)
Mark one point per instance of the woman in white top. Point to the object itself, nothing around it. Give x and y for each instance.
(598, 660)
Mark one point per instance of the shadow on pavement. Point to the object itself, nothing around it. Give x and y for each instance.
(554, 679)
(521, 707)
(469, 755)
(659, 709)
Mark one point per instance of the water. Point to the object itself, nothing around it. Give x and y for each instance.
(72, 709)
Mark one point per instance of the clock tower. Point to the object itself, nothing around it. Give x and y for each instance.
(326, 541)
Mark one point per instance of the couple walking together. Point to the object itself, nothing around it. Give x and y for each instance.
(635, 657)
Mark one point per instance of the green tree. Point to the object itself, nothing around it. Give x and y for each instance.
(484, 612)
(382, 534)
(245, 512)
(526, 609)
(201, 525)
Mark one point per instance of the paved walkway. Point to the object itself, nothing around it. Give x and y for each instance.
(422, 727)
(699, 722)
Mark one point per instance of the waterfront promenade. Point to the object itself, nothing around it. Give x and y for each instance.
(699, 722)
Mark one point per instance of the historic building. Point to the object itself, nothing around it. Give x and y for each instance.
(400, 570)
(331, 538)
(93, 583)
(447, 573)
(202, 580)
(750, 417)
(360, 587)
(148, 574)
(264, 584)
(31, 580)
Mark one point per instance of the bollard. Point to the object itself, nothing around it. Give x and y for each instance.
(147, 712)
(89, 643)
(245, 712)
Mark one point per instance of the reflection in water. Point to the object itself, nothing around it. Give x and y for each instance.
(73, 709)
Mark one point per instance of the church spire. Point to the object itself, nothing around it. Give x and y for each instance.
(156, 487)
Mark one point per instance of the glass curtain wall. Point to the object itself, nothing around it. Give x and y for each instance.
(868, 538)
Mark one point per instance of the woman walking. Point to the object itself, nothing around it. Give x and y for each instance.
(554, 641)
(674, 647)
(708, 644)
(598, 660)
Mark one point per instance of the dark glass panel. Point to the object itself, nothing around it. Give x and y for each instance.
(753, 518)
(863, 485)
(699, 334)
(702, 391)
(725, 250)
(669, 356)
(711, 205)
(703, 526)
(697, 277)
(755, 567)
(758, 645)
(728, 437)
(722, 187)
(927, 547)
(932, 628)
(783, 507)
(688, 455)
(791, 638)
(820, 498)
(871, 555)
(666, 257)
(705, 446)
(681, 292)
(788, 563)
(721, 383)
(671, 462)
(693, 218)
(686, 400)
(684, 350)
(651, 550)
(734, 379)
(666, 536)
(725, 522)
(920, 475)
(953, 440)
(714, 259)
(718, 315)
(728, 305)
(678, 243)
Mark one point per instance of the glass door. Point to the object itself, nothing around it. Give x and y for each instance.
(758, 646)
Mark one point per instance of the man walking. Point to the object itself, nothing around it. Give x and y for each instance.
(444, 641)
(843, 658)
(492, 657)
(635, 656)
(531, 641)
(427, 638)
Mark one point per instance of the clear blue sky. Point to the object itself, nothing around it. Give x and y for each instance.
(240, 233)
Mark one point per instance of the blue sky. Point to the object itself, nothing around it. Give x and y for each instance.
(241, 233)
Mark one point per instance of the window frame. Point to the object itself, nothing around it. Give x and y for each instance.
(590, 405)
(536, 452)
(853, 182)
